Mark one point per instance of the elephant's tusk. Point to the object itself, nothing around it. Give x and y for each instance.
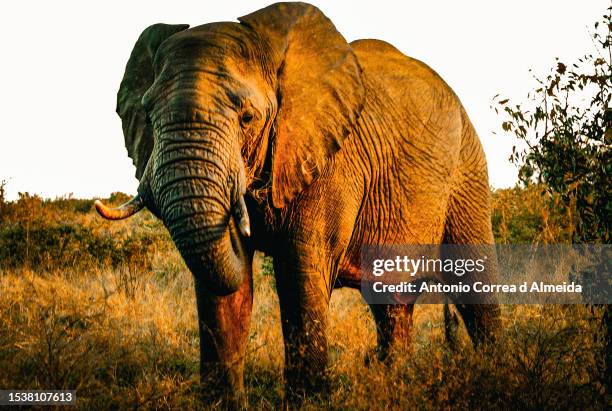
(241, 215)
(123, 211)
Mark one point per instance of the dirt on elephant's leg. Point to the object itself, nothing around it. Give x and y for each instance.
(224, 327)
(394, 330)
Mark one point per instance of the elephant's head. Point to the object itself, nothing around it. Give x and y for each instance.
(212, 111)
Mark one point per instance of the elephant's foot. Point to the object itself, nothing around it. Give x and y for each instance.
(306, 365)
(222, 400)
(300, 386)
(376, 355)
(222, 386)
(394, 331)
(387, 354)
(306, 374)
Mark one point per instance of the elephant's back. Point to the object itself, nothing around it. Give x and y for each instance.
(403, 76)
(422, 117)
(379, 56)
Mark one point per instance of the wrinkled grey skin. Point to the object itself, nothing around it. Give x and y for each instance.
(332, 146)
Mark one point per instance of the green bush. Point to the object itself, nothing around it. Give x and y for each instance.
(68, 245)
(67, 233)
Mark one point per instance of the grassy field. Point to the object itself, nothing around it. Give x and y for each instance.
(109, 309)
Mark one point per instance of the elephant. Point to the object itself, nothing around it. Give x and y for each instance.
(275, 134)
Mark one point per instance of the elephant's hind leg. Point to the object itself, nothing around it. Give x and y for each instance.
(469, 222)
(393, 328)
(481, 320)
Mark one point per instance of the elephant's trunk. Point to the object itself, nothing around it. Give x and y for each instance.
(214, 252)
(220, 264)
(198, 187)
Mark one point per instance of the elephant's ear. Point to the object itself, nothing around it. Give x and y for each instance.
(320, 92)
(137, 79)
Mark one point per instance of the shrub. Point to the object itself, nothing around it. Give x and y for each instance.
(67, 233)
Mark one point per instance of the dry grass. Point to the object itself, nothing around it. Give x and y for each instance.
(138, 348)
(121, 328)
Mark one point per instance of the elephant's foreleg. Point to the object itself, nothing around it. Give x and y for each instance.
(304, 303)
(393, 327)
(224, 327)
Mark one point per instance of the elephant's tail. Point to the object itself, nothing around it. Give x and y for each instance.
(451, 326)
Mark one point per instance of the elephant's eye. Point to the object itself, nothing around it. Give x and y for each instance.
(247, 117)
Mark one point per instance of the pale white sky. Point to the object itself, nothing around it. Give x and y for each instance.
(61, 63)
